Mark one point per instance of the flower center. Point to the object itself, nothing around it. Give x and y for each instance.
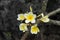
(23, 27)
(34, 29)
(30, 17)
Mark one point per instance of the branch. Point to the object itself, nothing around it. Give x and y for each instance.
(25, 36)
(53, 12)
(54, 22)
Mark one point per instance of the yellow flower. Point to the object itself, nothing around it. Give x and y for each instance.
(34, 29)
(23, 27)
(30, 17)
(45, 19)
(20, 17)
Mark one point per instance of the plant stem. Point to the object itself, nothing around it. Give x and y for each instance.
(54, 22)
(53, 12)
(25, 36)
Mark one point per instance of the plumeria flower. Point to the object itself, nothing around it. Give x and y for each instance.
(34, 29)
(23, 27)
(45, 19)
(30, 17)
(20, 17)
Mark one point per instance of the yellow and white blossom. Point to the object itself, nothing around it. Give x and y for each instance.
(45, 19)
(30, 17)
(23, 27)
(20, 17)
(34, 29)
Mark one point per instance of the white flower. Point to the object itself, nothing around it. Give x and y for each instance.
(45, 19)
(20, 17)
(34, 29)
(23, 27)
(30, 17)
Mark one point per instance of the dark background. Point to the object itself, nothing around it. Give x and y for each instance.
(9, 9)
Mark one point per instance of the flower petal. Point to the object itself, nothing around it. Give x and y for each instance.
(42, 14)
(31, 13)
(23, 27)
(34, 16)
(30, 17)
(26, 21)
(30, 8)
(25, 15)
(34, 29)
(45, 19)
(33, 21)
(20, 17)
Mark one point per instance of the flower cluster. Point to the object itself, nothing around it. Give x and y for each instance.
(34, 29)
(30, 18)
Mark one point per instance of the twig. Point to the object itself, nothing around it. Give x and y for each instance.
(25, 36)
(54, 22)
(53, 12)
